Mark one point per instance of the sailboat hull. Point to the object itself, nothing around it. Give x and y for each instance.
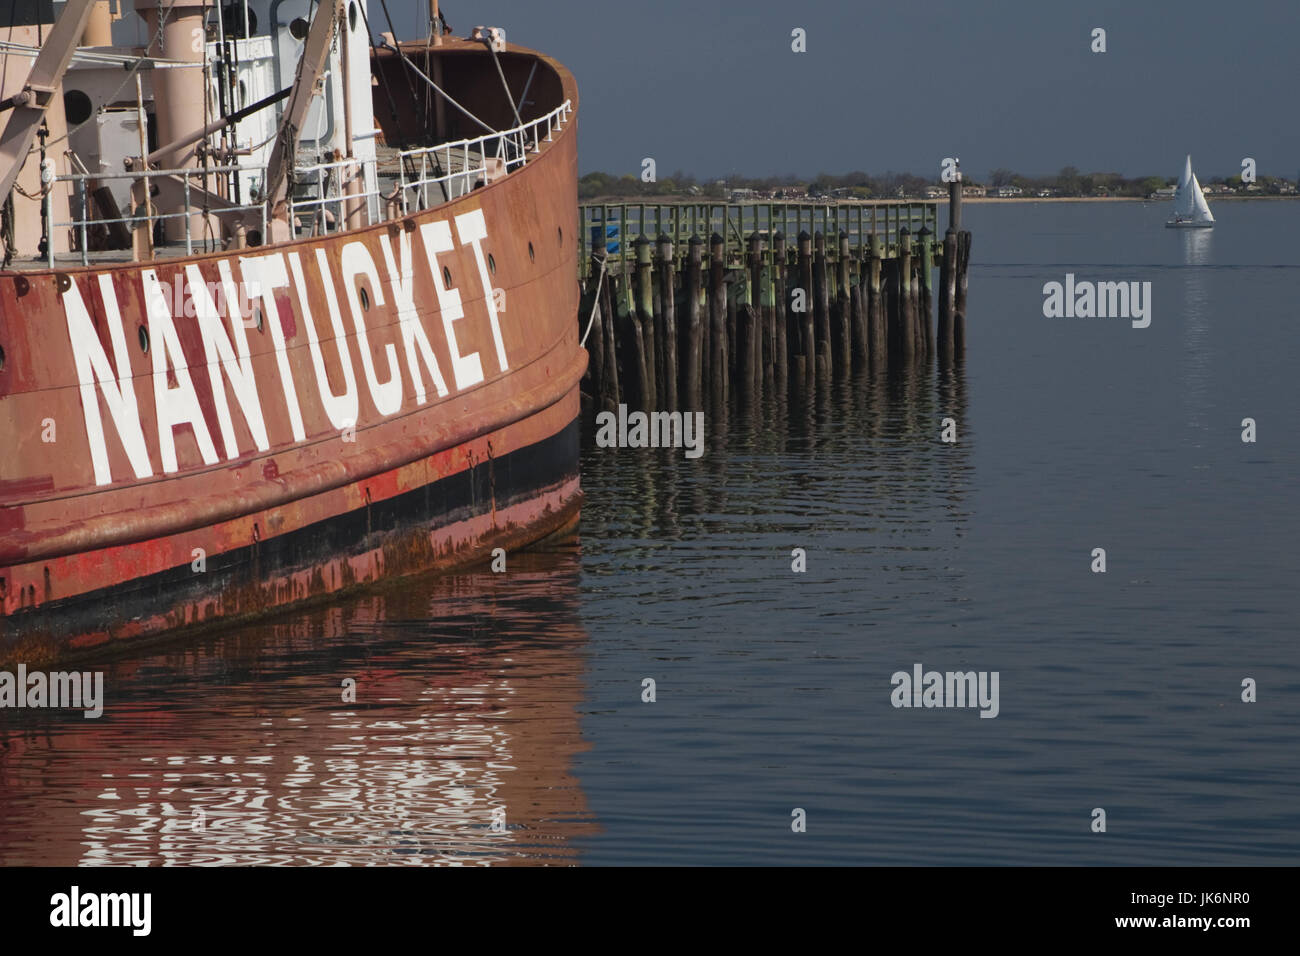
(1189, 225)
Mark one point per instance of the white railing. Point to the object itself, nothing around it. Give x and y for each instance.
(434, 166)
(84, 224)
(329, 205)
(431, 167)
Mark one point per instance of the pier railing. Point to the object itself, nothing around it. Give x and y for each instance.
(621, 224)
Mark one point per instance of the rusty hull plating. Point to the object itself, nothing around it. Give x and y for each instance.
(106, 541)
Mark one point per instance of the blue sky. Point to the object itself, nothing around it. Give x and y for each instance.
(713, 88)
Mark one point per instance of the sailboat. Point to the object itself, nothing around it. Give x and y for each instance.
(1191, 211)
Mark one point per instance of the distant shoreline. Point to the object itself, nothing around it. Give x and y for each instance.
(1011, 199)
(892, 201)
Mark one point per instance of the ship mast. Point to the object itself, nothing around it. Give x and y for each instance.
(439, 107)
(30, 103)
(176, 94)
(311, 67)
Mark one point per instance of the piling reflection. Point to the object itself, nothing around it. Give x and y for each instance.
(240, 750)
(862, 445)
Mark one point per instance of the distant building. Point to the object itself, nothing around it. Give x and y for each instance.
(934, 192)
(1165, 192)
(975, 192)
(1009, 192)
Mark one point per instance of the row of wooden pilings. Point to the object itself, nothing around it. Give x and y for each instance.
(670, 331)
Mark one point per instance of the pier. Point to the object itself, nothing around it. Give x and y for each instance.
(688, 305)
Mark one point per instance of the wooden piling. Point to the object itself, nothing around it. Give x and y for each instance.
(591, 324)
(668, 326)
(754, 346)
(959, 317)
(877, 347)
(947, 295)
(905, 313)
(646, 314)
(843, 308)
(610, 392)
(634, 373)
(925, 290)
(822, 307)
(767, 319)
(858, 308)
(717, 322)
(780, 319)
(734, 373)
(804, 315)
(693, 349)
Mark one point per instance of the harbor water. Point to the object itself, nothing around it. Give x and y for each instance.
(507, 717)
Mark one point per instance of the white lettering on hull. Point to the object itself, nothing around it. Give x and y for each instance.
(267, 273)
(340, 409)
(466, 369)
(233, 360)
(358, 262)
(415, 342)
(472, 228)
(179, 405)
(226, 353)
(93, 369)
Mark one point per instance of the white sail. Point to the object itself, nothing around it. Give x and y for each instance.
(1201, 209)
(1189, 201)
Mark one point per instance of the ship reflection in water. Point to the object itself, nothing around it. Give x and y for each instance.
(239, 749)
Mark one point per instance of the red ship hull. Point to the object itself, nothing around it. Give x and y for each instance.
(406, 398)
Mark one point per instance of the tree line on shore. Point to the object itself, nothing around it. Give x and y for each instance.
(890, 185)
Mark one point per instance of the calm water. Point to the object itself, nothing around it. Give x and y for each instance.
(517, 697)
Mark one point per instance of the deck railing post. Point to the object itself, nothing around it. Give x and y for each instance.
(49, 228)
(189, 238)
(85, 216)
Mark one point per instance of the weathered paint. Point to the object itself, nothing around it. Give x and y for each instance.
(245, 471)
